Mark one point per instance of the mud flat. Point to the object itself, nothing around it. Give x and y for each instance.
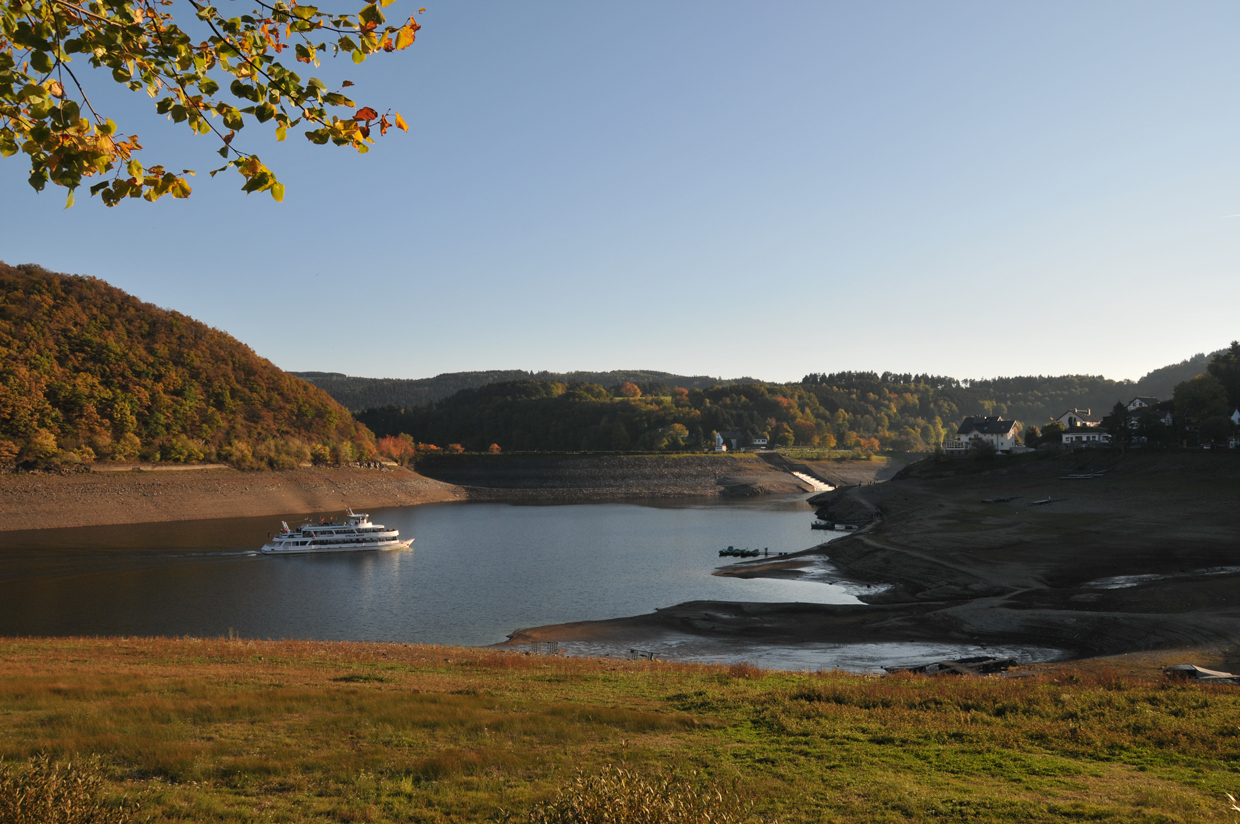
(609, 477)
(1144, 558)
(39, 501)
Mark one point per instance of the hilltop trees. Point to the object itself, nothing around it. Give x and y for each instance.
(1225, 367)
(88, 372)
(213, 73)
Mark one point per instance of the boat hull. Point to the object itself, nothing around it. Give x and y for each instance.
(275, 549)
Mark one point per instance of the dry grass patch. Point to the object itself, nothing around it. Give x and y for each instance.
(221, 730)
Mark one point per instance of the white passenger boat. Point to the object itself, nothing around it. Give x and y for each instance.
(354, 534)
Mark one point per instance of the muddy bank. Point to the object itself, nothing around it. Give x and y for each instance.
(609, 477)
(37, 501)
(1146, 557)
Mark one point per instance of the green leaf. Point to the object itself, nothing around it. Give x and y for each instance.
(69, 199)
(371, 14)
(358, 57)
(41, 62)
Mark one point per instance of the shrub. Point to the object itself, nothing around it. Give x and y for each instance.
(127, 447)
(40, 446)
(8, 454)
(51, 792)
(238, 454)
(282, 453)
(621, 795)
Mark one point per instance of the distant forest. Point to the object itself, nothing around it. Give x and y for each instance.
(367, 393)
(850, 410)
(89, 372)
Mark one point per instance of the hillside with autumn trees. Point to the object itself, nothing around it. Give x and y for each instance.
(89, 373)
(553, 416)
(846, 410)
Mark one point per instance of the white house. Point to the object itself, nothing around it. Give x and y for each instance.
(1141, 402)
(1078, 417)
(1235, 417)
(1135, 414)
(759, 443)
(1086, 437)
(992, 430)
(719, 445)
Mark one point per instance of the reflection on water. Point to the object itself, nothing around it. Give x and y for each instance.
(477, 572)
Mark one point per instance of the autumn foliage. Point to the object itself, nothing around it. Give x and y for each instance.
(89, 373)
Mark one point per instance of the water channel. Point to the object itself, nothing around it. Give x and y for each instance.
(476, 572)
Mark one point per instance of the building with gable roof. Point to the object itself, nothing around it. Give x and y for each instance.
(1077, 418)
(1141, 402)
(987, 429)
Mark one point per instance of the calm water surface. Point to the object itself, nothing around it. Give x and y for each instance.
(477, 571)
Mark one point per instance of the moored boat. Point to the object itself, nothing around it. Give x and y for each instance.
(354, 534)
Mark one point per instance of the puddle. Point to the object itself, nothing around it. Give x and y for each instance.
(857, 658)
(1125, 581)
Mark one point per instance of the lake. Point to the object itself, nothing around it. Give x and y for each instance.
(476, 572)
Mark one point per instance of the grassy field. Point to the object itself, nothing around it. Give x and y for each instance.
(220, 730)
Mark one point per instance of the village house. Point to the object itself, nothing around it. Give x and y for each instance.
(976, 428)
(1137, 404)
(1075, 418)
(1140, 402)
(1086, 437)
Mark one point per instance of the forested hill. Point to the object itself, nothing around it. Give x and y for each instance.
(89, 372)
(366, 393)
(849, 409)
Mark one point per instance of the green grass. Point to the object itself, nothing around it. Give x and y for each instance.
(219, 730)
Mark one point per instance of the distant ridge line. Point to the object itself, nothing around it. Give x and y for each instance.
(358, 394)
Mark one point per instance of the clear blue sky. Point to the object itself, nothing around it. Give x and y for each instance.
(973, 189)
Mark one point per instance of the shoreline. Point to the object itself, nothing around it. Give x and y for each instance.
(1139, 562)
(113, 495)
(46, 501)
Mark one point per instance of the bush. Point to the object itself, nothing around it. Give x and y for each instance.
(51, 792)
(127, 447)
(621, 795)
(282, 453)
(38, 448)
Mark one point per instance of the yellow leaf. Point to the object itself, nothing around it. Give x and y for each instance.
(281, 132)
(400, 123)
(277, 192)
(405, 37)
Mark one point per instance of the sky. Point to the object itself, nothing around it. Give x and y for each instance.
(728, 189)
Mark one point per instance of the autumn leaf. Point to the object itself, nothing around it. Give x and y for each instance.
(400, 123)
(365, 114)
(406, 35)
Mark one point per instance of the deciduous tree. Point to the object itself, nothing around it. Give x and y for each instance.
(213, 71)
